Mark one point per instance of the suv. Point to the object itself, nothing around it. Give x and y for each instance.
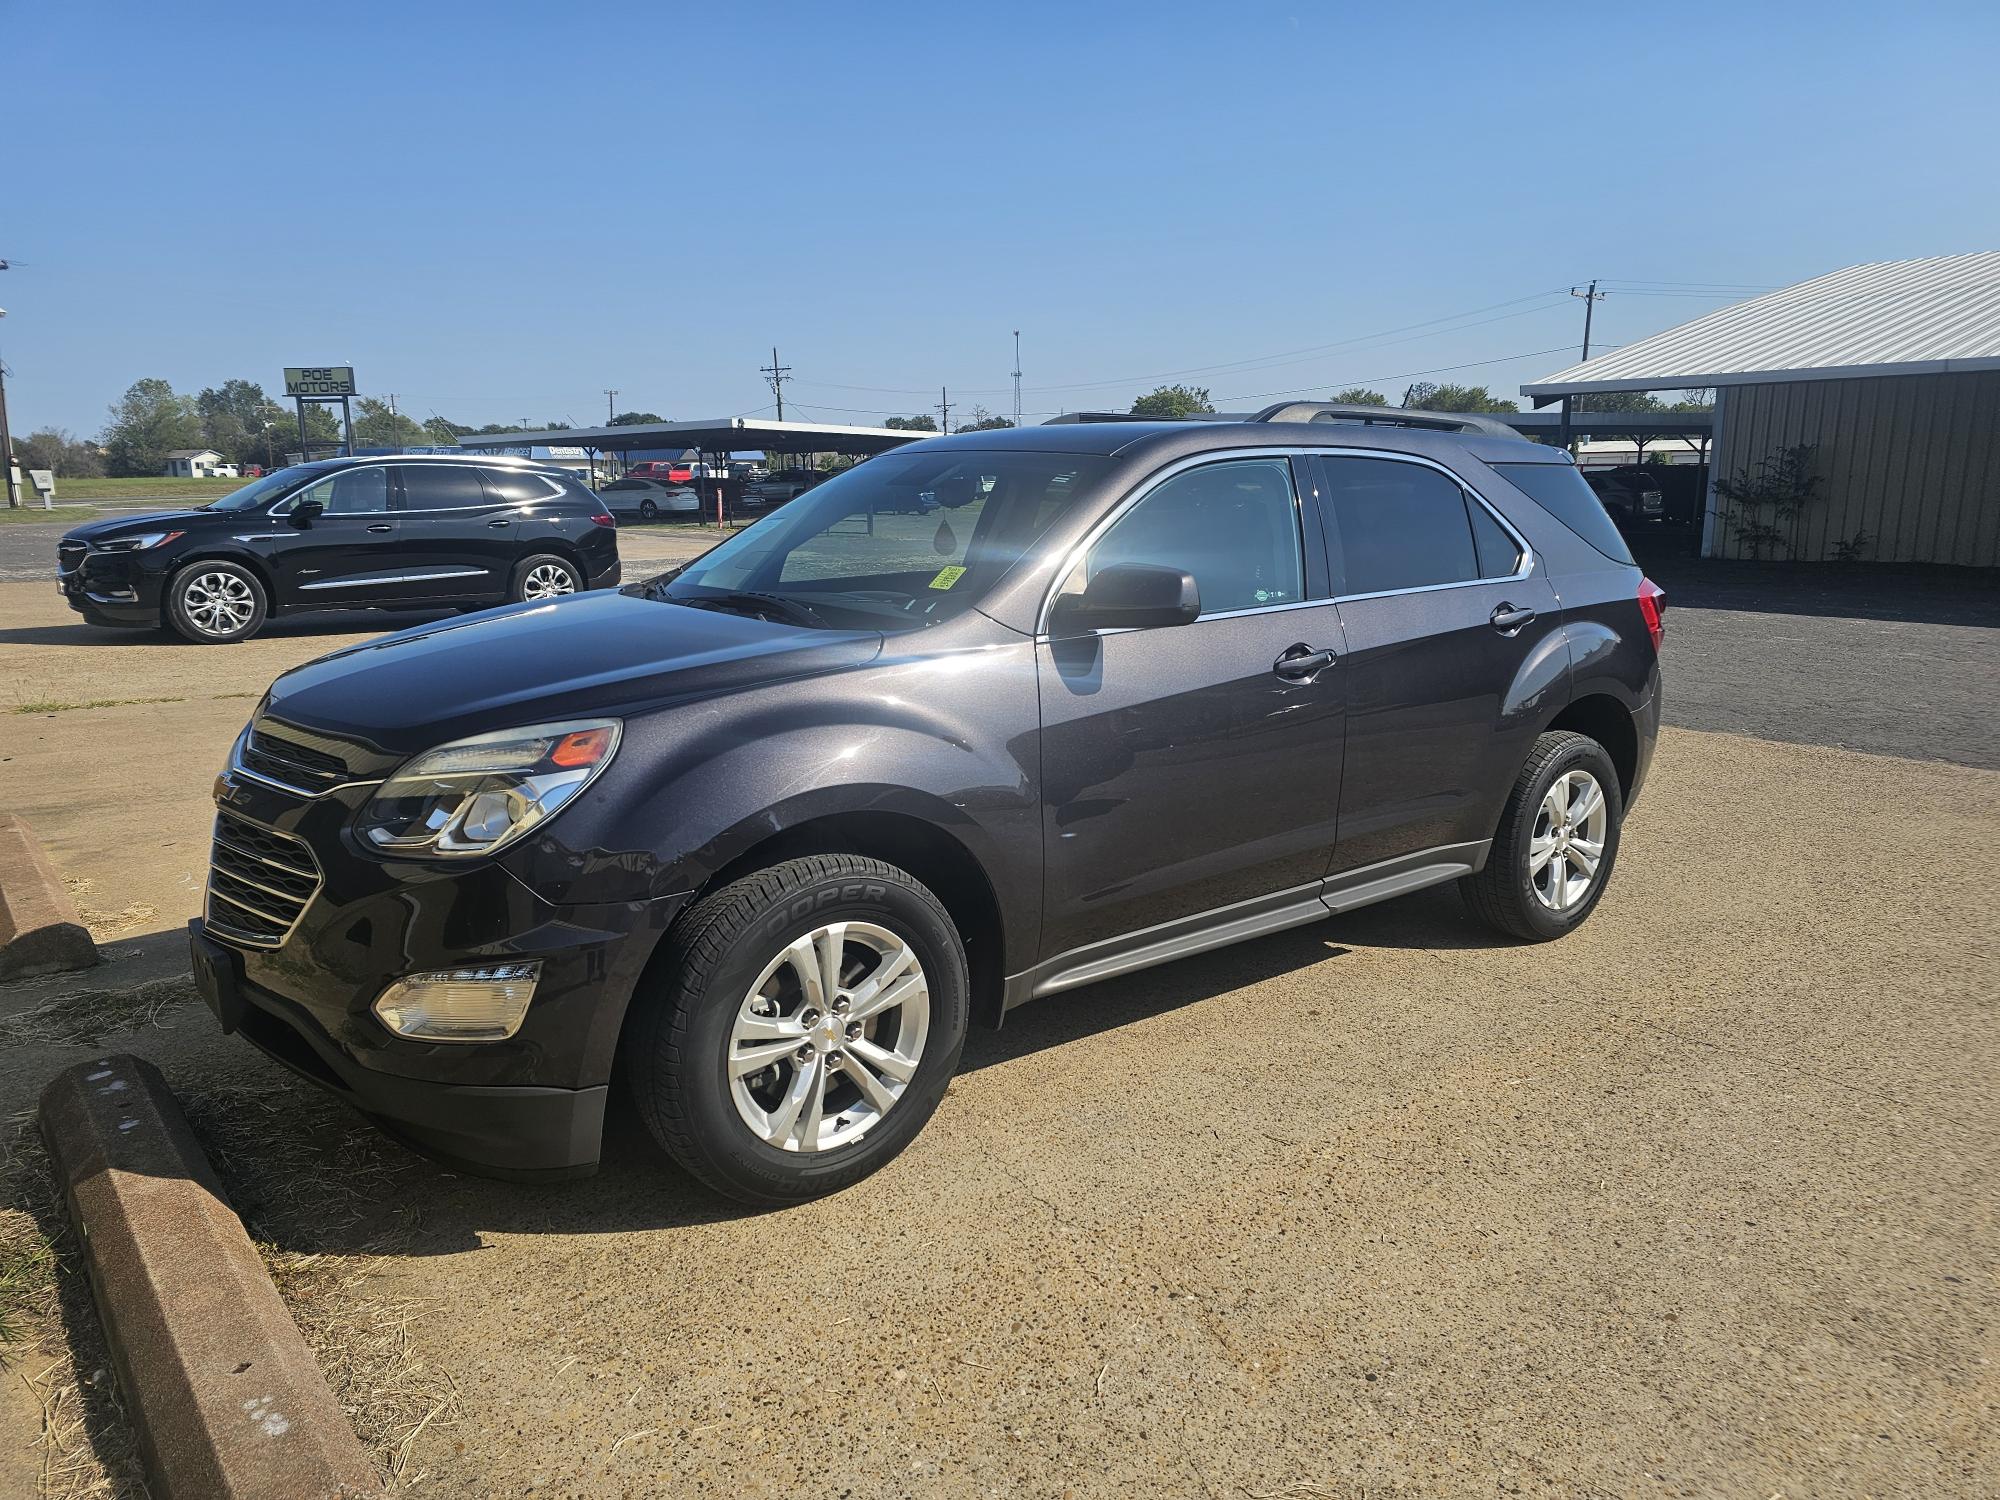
(396, 532)
(1630, 492)
(765, 834)
(783, 486)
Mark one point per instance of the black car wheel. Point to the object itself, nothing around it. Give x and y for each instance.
(1556, 844)
(216, 602)
(810, 1021)
(544, 576)
(648, 511)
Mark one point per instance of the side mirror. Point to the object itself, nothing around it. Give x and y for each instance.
(1129, 596)
(305, 512)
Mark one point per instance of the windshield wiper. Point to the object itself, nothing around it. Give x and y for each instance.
(757, 602)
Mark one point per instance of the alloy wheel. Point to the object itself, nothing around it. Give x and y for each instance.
(218, 603)
(829, 1037)
(1568, 843)
(547, 581)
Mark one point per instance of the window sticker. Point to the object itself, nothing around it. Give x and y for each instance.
(946, 577)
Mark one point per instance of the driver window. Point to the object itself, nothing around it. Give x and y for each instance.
(1234, 525)
(352, 492)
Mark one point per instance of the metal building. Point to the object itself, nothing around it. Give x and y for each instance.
(1882, 382)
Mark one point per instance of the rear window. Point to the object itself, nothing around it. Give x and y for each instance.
(1561, 491)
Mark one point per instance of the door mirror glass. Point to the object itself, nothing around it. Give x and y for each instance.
(305, 511)
(1128, 596)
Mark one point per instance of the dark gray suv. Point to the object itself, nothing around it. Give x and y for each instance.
(986, 718)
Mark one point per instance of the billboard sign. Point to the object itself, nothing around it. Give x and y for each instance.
(319, 380)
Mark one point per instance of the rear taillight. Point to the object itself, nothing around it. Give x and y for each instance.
(1653, 605)
(605, 518)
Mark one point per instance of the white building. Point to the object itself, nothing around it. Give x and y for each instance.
(198, 463)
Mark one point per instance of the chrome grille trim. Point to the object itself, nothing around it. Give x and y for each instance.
(260, 883)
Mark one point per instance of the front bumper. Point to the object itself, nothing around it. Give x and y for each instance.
(531, 1105)
(113, 589)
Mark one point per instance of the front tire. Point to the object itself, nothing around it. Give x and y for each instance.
(810, 1020)
(544, 576)
(1557, 842)
(215, 603)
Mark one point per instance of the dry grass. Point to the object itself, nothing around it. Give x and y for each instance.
(312, 1182)
(80, 1017)
(50, 1338)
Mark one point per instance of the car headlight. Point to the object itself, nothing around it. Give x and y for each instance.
(141, 543)
(476, 795)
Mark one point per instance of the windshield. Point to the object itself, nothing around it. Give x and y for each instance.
(258, 491)
(902, 541)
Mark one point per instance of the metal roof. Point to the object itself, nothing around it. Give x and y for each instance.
(716, 435)
(1896, 317)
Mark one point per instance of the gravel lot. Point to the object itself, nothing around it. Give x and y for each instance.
(1698, 1202)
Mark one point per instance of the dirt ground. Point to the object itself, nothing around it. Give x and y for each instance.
(1701, 1201)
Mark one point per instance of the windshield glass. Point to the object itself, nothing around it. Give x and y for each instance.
(257, 491)
(902, 541)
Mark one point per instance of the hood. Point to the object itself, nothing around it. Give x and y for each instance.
(122, 525)
(587, 655)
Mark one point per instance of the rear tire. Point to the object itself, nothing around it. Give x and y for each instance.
(544, 576)
(216, 603)
(648, 511)
(717, 1104)
(1553, 853)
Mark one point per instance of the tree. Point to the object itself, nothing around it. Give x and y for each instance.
(1424, 396)
(146, 424)
(444, 433)
(1359, 395)
(376, 426)
(59, 451)
(983, 420)
(634, 418)
(1618, 401)
(1173, 401)
(235, 417)
(911, 424)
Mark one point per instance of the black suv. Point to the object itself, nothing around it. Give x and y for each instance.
(766, 833)
(403, 532)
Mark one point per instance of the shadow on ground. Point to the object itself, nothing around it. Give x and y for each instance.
(310, 1176)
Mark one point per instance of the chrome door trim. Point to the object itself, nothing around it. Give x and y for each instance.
(358, 583)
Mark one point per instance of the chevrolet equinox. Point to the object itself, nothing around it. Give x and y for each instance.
(986, 718)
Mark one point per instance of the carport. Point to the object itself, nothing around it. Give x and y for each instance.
(713, 440)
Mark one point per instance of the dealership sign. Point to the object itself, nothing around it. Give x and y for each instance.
(319, 380)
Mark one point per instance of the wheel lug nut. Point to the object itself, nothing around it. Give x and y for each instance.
(805, 1053)
(809, 1017)
(840, 1006)
(854, 1031)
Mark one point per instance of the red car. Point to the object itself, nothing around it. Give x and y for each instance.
(662, 471)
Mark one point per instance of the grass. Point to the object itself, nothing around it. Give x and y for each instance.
(80, 1017)
(57, 706)
(66, 513)
(145, 488)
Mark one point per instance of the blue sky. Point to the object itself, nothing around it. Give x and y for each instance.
(497, 210)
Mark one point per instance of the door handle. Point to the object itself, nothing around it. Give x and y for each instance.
(1301, 663)
(503, 521)
(384, 527)
(1507, 619)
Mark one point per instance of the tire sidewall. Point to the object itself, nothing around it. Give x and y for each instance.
(1585, 755)
(648, 511)
(185, 626)
(721, 1132)
(518, 593)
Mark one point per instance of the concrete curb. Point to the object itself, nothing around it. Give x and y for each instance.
(40, 931)
(224, 1393)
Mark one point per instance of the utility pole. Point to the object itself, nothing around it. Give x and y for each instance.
(1591, 297)
(777, 374)
(944, 409)
(610, 406)
(392, 403)
(1017, 377)
(7, 470)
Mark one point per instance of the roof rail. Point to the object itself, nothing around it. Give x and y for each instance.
(1383, 416)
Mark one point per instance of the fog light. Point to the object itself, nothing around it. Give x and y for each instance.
(484, 1004)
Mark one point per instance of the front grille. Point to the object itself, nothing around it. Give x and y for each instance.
(259, 883)
(290, 762)
(70, 555)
